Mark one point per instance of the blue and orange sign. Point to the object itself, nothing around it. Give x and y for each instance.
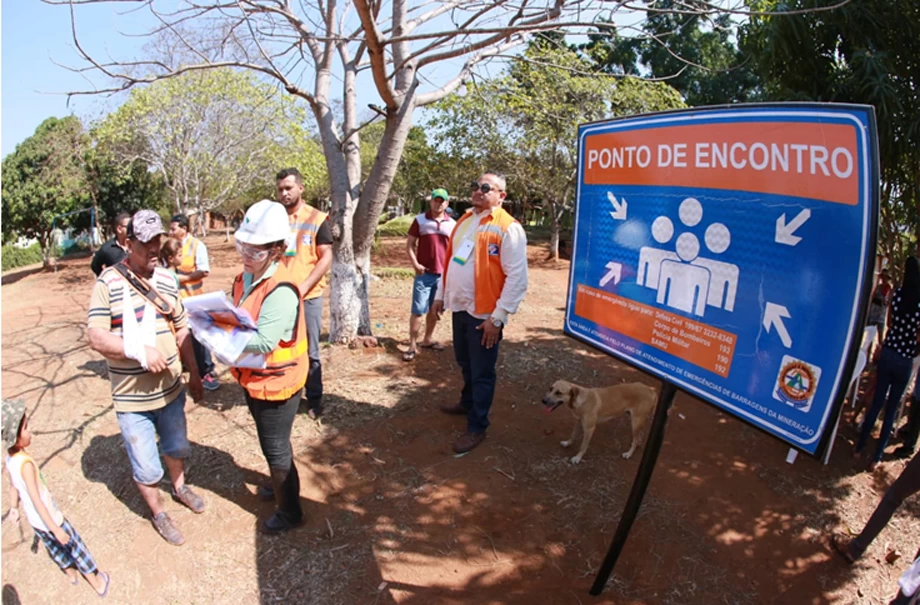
(729, 251)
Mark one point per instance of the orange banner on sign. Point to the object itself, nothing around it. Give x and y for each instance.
(700, 344)
(801, 159)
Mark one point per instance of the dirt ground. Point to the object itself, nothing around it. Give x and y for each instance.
(395, 517)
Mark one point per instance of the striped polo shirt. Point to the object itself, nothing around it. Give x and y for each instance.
(134, 389)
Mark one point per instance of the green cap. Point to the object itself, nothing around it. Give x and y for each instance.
(441, 193)
(13, 410)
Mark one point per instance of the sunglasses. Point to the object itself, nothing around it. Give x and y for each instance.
(253, 254)
(484, 188)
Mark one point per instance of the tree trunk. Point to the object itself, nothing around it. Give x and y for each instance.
(356, 223)
(554, 239)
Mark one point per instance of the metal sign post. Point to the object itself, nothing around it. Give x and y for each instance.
(728, 251)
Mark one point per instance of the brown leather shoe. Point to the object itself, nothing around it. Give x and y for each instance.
(455, 409)
(468, 442)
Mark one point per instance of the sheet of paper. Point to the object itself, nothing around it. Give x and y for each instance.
(224, 329)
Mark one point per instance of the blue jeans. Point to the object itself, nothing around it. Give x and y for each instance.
(892, 374)
(424, 288)
(140, 430)
(477, 364)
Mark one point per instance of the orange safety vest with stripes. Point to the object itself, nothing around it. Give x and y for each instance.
(187, 267)
(286, 367)
(301, 254)
(488, 273)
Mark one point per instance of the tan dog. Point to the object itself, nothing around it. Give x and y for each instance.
(591, 406)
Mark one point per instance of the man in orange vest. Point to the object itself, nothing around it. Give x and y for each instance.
(191, 273)
(305, 263)
(484, 281)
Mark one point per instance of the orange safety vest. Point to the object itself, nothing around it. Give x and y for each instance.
(301, 255)
(187, 267)
(488, 273)
(286, 367)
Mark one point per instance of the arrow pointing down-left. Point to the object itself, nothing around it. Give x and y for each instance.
(616, 270)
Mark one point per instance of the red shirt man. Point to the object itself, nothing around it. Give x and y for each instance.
(426, 246)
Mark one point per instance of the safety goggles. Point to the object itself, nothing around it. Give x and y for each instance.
(484, 188)
(250, 253)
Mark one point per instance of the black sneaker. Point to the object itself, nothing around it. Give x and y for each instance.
(209, 382)
(279, 523)
(903, 453)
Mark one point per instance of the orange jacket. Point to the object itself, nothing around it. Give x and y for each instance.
(301, 255)
(188, 266)
(489, 275)
(286, 367)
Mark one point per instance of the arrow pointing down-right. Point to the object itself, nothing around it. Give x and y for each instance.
(773, 316)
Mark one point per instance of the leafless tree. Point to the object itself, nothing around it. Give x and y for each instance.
(319, 50)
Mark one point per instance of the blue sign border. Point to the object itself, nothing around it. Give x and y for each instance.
(869, 197)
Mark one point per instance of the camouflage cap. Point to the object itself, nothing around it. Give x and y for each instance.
(13, 410)
(145, 225)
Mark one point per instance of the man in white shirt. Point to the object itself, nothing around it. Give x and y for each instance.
(484, 281)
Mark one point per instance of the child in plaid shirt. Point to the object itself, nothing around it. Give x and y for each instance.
(62, 541)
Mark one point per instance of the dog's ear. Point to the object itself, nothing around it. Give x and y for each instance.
(573, 395)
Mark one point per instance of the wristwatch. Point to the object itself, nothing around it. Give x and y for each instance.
(497, 323)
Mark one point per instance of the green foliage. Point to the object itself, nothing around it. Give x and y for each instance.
(694, 52)
(421, 167)
(398, 226)
(863, 52)
(43, 178)
(525, 123)
(214, 137)
(13, 257)
(394, 273)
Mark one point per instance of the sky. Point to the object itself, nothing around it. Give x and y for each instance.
(34, 35)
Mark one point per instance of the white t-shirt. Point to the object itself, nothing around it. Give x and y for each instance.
(14, 463)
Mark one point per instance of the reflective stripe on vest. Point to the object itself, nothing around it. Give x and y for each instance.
(187, 267)
(301, 255)
(488, 275)
(286, 367)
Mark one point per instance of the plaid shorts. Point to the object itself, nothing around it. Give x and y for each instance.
(72, 554)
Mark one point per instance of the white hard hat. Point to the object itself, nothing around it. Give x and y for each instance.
(265, 222)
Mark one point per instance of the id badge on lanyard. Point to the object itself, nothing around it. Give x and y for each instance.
(462, 254)
(292, 241)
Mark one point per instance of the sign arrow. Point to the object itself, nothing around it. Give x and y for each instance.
(616, 270)
(784, 231)
(773, 315)
(619, 210)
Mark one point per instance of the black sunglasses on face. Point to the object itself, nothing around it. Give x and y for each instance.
(484, 188)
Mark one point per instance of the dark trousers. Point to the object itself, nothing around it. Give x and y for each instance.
(313, 315)
(912, 431)
(892, 374)
(202, 357)
(907, 484)
(477, 364)
(274, 420)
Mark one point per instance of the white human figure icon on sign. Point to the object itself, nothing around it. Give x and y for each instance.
(684, 280)
(724, 284)
(683, 285)
(650, 259)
